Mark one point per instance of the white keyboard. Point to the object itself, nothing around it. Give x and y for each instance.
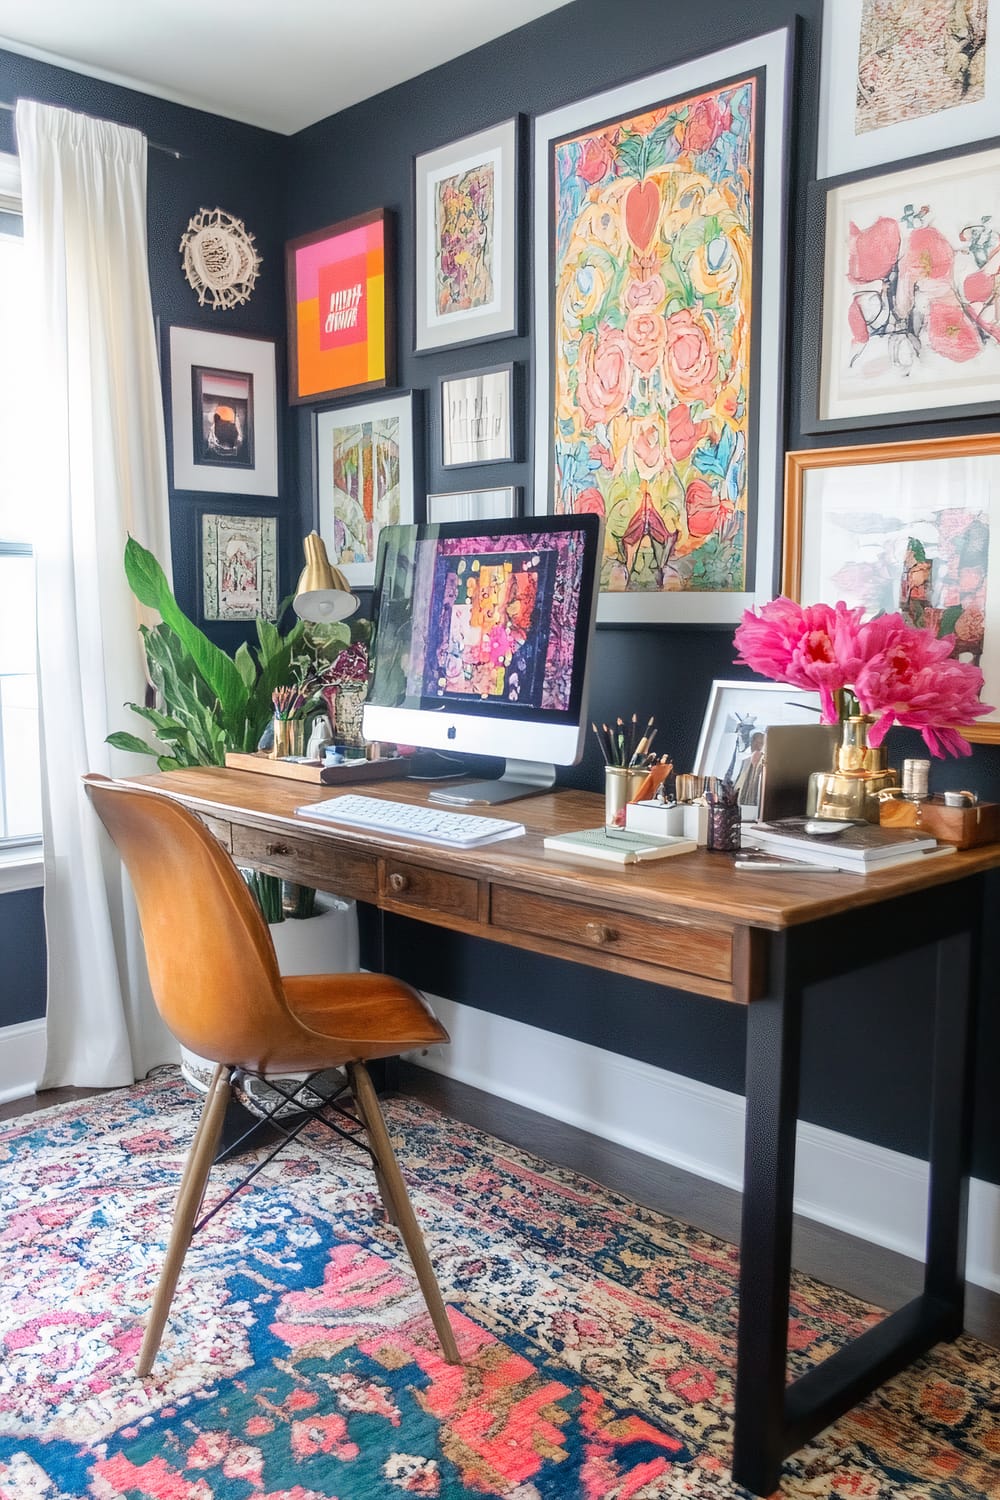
(410, 821)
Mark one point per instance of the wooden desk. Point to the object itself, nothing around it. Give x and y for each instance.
(692, 923)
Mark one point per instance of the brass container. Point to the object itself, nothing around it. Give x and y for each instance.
(851, 789)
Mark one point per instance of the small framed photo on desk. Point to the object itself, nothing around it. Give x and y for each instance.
(731, 747)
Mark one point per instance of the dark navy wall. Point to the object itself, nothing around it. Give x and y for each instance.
(867, 1067)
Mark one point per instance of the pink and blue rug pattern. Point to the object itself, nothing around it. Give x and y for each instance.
(299, 1362)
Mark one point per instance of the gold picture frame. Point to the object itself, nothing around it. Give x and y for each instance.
(911, 526)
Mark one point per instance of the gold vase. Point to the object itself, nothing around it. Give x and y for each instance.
(851, 788)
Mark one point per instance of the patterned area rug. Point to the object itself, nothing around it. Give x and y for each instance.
(299, 1363)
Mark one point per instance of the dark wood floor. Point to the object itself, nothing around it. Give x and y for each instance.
(879, 1276)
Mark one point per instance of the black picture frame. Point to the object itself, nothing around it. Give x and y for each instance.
(461, 433)
(819, 256)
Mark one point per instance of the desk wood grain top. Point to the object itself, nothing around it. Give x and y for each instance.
(703, 885)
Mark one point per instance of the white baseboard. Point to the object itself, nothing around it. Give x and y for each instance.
(865, 1190)
(22, 1057)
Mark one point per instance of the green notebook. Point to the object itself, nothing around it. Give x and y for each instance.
(620, 846)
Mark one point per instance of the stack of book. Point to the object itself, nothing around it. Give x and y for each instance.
(859, 847)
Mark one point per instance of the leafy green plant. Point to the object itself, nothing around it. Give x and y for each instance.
(209, 702)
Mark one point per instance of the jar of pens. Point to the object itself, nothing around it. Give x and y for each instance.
(628, 760)
(724, 822)
(289, 722)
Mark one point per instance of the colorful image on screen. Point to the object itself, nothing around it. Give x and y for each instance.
(488, 627)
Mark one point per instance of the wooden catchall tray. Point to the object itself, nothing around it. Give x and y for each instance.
(385, 769)
(962, 826)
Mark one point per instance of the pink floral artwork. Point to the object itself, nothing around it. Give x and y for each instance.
(653, 291)
(911, 316)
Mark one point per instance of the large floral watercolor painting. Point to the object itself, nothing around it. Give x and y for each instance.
(653, 287)
(910, 317)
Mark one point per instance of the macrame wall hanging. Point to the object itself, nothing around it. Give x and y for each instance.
(219, 259)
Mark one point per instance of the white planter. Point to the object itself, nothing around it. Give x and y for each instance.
(326, 943)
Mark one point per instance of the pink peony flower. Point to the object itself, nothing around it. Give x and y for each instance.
(899, 673)
(815, 647)
(911, 678)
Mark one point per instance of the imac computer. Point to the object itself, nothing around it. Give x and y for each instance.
(482, 632)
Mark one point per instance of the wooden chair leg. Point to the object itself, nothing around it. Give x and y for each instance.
(189, 1197)
(400, 1208)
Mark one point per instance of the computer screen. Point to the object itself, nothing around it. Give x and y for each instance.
(481, 640)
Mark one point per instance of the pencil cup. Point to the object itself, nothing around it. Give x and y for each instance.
(724, 826)
(620, 785)
(289, 737)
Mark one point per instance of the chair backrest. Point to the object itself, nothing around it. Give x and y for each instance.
(211, 961)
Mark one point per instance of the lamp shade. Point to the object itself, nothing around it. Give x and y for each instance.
(323, 593)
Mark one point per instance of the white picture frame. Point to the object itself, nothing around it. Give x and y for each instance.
(203, 365)
(736, 711)
(474, 505)
(447, 310)
(769, 58)
(840, 150)
(373, 438)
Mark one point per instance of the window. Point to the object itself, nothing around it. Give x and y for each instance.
(20, 786)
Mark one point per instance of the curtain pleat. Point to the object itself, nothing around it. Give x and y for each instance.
(101, 475)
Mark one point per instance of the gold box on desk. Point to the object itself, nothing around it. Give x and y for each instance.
(962, 826)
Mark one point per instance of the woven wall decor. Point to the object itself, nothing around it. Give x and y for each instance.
(219, 258)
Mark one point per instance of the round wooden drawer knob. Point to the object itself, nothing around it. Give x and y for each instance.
(398, 882)
(598, 933)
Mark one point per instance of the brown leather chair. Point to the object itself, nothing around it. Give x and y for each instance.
(216, 984)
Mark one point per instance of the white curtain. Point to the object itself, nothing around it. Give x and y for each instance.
(101, 470)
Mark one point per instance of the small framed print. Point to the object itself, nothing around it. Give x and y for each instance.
(907, 329)
(364, 480)
(223, 410)
(222, 417)
(341, 293)
(477, 417)
(239, 567)
(736, 720)
(474, 505)
(465, 209)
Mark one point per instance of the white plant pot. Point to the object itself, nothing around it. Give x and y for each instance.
(326, 943)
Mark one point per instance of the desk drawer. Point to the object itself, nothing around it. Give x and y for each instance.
(309, 861)
(404, 885)
(704, 951)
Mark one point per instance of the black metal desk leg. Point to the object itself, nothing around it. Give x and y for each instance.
(774, 1029)
(951, 1125)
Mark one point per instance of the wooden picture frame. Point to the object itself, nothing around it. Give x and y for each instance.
(223, 410)
(476, 409)
(465, 199)
(238, 566)
(475, 505)
(659, 404)
(924, 104)
(341, 308)
(364, 466)
(907, 327)
(913, 527)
